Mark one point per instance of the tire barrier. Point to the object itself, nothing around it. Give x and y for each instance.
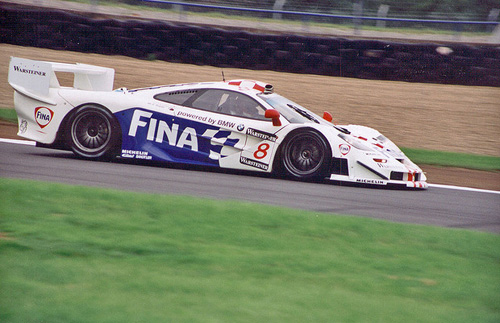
(368, 59)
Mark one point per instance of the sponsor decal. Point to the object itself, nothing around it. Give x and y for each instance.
(344, 149)
(206, 119)
(371, 181)
(261, 134)
(241, 127)
(159, 129)
(43, 116)
(136, 154)
(28, 71)
(23, 126)
(225, 124)
(253, 163)
(192, 116)
(173, 139)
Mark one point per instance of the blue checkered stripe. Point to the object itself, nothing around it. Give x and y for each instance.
(222, 145)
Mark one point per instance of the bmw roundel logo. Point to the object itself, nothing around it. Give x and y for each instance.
(23, 126)
(241, 127)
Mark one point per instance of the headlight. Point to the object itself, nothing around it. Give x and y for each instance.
(356, 143)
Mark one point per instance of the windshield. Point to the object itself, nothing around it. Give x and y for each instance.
(290, 110)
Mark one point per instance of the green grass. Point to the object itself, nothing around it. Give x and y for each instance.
(77, 254)
(8, 115)
(451, 159)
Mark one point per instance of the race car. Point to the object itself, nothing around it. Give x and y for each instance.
(237, 124)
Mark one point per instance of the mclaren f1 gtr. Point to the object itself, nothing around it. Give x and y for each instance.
(237, 124)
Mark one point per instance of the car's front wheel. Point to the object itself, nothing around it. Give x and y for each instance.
(305, 155)
(93, 133)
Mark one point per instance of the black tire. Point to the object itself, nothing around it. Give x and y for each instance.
(305, 155)
(93, 133)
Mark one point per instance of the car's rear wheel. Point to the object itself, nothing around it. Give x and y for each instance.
(305, 155)
(93, 133)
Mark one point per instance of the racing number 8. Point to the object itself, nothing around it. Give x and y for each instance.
(261, 151)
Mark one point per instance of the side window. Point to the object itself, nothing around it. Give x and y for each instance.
(176, 97)
(243, 106)
(209, 100)
(229, 102)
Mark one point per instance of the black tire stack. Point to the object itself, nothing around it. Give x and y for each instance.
(369, 59)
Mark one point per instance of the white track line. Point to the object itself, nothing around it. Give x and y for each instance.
(451, 187)
(470, 189)
(18, 142)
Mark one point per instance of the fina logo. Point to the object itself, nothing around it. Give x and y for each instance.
(43, 116)
(344, 149)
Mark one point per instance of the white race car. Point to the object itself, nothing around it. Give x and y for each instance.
(239, 124)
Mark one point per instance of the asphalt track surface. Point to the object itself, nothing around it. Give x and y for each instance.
(436, 206)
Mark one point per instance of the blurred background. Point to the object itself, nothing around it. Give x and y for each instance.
(479, 16)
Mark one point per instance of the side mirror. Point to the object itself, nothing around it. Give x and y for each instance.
(274, 115)
(327, 116)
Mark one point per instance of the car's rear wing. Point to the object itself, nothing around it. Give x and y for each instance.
(35, 78)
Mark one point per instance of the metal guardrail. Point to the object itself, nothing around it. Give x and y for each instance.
(325, 15)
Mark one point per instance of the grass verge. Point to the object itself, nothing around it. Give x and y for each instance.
(78, 254)
(8, 115)
(451, 159)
